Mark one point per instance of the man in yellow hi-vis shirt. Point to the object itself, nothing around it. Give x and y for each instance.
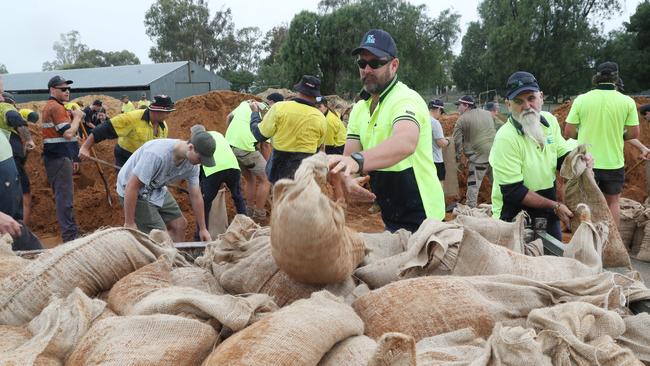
(132, 129)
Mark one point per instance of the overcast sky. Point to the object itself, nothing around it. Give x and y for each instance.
(119, 24)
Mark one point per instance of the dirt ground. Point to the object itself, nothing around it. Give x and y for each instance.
(92, 210)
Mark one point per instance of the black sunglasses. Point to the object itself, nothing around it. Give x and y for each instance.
(374, 63)
(521, 81)
(64, 89)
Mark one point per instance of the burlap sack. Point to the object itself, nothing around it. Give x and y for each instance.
(478, 257)
(641, 240)
(92, 263)
(506, 234)
(145, 340)
(581, 187)
(137, 285)
(394, 349)
(630, 210)
(231, 311)
(482, 210)
(197, 278)
(384, 245)
(10, 263)
(428, 306)
(460, 346)
(299, 334)
(247, 266)
(50, 337)
(309, 239)
(637, 336)
(579, 333)
(430, 251)
(354, 351)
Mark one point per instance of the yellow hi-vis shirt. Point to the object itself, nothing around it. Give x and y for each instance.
(239, 133)
(224, 158)
(127, 107)
(25, 112)
(404, 188)
(336, 132)
(4, 124)
(142, 104)
(601, 116)
(294, 127)
(133, 130)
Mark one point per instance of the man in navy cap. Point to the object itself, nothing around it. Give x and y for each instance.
(473, 136)
(527, 151)
(389, 138)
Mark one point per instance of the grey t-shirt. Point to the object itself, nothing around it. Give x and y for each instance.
(153, 164)
(436, 132)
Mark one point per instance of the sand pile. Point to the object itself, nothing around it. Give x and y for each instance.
(635, 180)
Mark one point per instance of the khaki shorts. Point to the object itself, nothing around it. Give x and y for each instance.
(149, 217)
(253, 161)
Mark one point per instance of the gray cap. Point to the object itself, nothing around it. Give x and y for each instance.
(204, 144)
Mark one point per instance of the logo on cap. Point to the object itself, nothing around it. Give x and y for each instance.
(370, 39)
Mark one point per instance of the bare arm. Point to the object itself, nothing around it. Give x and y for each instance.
(535, 200)
(130, 198)
(196, 199)
(645, 152)
(26, 136)
(442, 142)
(397, 147)
(85, 149)
(631, 133)
(570, 131)
(351, 146)
(71, 132)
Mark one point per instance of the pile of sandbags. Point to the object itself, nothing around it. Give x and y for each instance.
(309, 239)
(581, 188)
(455, 248)
(640, 247)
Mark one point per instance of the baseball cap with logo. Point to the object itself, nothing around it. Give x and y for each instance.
(437, 103)
(9, 98)
(309, 85)
(519, 82)
(57, 80)
(162, 103)
(204, 144)
(379, 43)
(275, 97)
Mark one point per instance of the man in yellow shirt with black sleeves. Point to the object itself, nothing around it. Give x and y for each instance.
(297, 129)
(336, 132)
(132, 129)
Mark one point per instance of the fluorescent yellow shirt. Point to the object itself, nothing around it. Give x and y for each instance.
(133, 130)
(71, 106)
(294, 127)
(336, 131)
(127, 107)
(224, 158)
(142, 104)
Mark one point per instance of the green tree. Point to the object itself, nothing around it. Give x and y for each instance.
(639, 27)
(556, 40)
(67, 51)
(183, 30)
(301, 51)
(467, 70)
(3, 69)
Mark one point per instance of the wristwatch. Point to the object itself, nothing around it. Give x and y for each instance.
(358, 157)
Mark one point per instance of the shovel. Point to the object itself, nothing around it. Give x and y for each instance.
(99, 169)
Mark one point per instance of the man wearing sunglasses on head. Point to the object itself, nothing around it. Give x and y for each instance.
(527, 151)
(389, 137)
(60, 150)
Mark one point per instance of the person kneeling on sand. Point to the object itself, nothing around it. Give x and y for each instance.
(141, 184)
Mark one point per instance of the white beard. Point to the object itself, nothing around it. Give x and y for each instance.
(531, 125)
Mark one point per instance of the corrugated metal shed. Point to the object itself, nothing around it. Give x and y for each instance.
(176, 79)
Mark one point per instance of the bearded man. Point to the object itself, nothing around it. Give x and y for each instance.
(526, 152)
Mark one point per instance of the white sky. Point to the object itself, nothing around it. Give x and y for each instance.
(119, 24)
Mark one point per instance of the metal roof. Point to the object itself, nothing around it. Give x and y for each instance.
(98, 77)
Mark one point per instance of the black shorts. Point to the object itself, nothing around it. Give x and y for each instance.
(440, 170)
(610, 181)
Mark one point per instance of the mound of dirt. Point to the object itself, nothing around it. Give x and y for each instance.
(635, 180)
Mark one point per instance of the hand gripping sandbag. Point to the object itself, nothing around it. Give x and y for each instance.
(581, 187)
(308, 235)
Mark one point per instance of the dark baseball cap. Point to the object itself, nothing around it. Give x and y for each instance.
(644, 109)
(9, 98)
(58, 80)
(437, 103)
(607, 68)
(275, 97)
(204, 144)
(465, 99)
(97, 102)
(309, 85)
(519, 82)
(379, 43)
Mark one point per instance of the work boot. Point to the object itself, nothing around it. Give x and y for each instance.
(259, 214)
(250, 212)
